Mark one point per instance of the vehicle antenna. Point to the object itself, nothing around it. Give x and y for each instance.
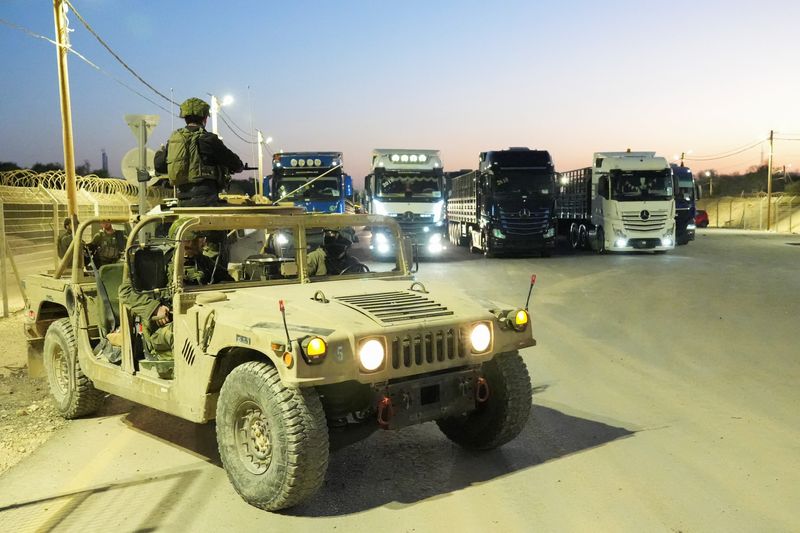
(533, 282)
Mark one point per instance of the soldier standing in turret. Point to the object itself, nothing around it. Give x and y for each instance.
(198, 164)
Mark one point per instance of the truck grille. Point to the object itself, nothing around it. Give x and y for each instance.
(524, 223)
(397, 306)
(428, 348)
(653, 221)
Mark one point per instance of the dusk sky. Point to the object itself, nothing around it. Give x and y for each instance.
(461, 76)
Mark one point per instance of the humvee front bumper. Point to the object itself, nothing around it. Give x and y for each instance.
(416, 400)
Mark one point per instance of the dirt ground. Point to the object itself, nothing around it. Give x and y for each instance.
(27, 415)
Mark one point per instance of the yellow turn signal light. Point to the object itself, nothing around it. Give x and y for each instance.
(521, 319)
(315, 349)
(517, 319)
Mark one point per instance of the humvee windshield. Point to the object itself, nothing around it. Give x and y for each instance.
(282, 249)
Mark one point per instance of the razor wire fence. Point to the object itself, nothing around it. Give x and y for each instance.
(33, 207)
(750, 212)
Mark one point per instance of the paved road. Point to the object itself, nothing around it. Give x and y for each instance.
(666, 399)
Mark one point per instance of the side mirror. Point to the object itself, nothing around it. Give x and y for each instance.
(348, 186)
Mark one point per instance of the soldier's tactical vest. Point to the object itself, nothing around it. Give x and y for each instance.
(184, 164)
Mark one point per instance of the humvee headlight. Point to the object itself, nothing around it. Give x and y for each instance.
(371, 355)
(314, 349)
(480, 337)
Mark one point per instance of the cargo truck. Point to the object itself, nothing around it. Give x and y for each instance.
(623, 202)
(506, 205)
(685, 195)
(408, 185)
(313, 180)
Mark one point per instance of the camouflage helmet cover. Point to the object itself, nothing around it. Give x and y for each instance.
(195, 107)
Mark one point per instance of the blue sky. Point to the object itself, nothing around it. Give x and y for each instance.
(571, 77)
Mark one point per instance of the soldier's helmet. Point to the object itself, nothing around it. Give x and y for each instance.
(335, 243)
(194, 107)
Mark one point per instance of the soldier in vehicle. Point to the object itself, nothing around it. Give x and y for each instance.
(155, 315)
(65, 238)
(196, 161)
(331, 258)
(107, 245)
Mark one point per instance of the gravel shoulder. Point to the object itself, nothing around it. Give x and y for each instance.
(28, 417)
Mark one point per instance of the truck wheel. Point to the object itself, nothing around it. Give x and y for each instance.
(273, 440)
(486, 245)
(574, 236)
(73, 392)
(471, 244)
(600, 245)
(583, 237)
(503, 415)
(461, 240)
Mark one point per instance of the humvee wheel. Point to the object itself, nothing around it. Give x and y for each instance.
(503, 415)
(273, 440)
(73, 392)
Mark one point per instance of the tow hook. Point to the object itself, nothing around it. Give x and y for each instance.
(385, 412)
(481, 390)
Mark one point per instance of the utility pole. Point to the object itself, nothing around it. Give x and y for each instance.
(260, 177)
(59, 12)
(769, 178)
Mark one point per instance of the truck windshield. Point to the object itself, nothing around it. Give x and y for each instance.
(641, 185)
(322, 189)
(685, 189)
(525, 182)
(405, 186)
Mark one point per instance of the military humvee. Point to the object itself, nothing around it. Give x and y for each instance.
(280, 355)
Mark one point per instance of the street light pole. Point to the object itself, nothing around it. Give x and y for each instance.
(260, 177)
(769, 179)
(214, 111)
(66, 113)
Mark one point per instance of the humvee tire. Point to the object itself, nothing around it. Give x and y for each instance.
(73, 392)
(273, 440)
(503, 415)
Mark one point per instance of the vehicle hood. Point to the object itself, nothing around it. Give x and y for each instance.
(358, 306)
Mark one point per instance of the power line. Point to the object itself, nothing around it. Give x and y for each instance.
(234, 131)
(723, 155)
(83, 58)
(107, 47)
(242, 130)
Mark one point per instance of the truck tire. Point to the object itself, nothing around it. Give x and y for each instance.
(486, 245)
(583, 237)
(600, 244)
(73, 393)
(273, 440)
(574, 236)
(461, 240)
(503, 415)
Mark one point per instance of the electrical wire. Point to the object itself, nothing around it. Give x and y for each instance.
(242, 130)
(83, 58)
(107, 47)
(723, 155)
(234, 131)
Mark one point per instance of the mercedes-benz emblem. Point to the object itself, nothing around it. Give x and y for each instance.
(408, 215)
(524, 212)
(645, 214)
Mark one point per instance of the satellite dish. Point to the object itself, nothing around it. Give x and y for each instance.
(130, 164)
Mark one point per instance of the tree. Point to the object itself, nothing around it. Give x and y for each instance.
(45, 167)
(8, 165)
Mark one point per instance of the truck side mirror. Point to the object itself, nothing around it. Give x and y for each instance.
(602, 187)
(348, 186)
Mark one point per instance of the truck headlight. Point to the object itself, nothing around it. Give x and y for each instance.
(378, 208)
(621, 243)
(480, 337)
(551, 232)
(666, 241)
(498, 234)
(371, 355)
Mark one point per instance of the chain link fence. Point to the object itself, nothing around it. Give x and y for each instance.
(751, 212)
(33, 207)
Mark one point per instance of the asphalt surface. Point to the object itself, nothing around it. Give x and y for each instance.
(666, 399)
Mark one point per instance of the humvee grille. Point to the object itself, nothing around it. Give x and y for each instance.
(427, 348)
(398, 306)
